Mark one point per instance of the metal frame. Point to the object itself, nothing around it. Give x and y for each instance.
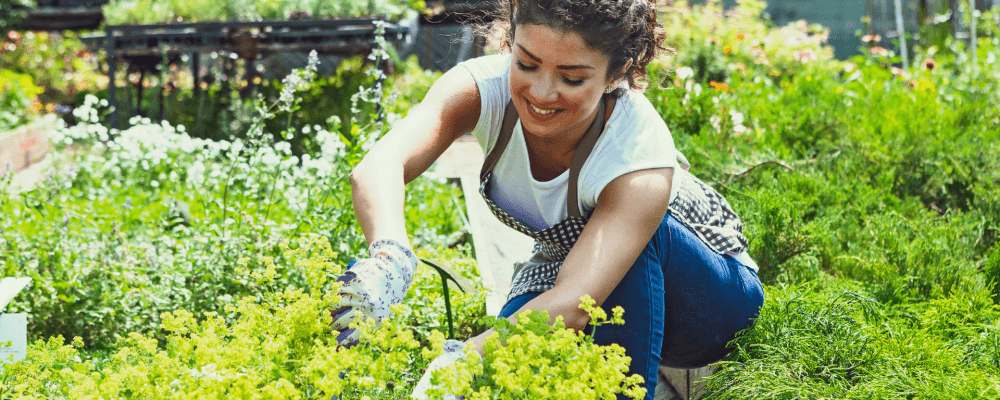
(343, 37)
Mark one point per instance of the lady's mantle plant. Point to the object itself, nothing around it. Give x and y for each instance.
(536, 359)
(280, 345)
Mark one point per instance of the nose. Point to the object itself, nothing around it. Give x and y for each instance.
(543, 90)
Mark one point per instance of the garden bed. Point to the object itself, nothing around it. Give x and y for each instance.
(203, 268)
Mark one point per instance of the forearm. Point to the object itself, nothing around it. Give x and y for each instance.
(558, 301)
(378, 195)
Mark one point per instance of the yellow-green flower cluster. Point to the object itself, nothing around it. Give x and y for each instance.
(280, 346)
(535, 359)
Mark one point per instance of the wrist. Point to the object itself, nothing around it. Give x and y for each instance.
(397, 255)
(480, 340)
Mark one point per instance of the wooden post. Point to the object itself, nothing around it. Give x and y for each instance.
(139, 89)
(901, 29)
(195, 66)
(885, 22)
(953, 8)
(109, 33)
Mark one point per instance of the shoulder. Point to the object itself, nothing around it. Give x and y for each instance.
(491, 67)
(636, 135)
(635, 138)
(492, 74)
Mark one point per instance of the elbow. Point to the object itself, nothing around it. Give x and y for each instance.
(358, 174)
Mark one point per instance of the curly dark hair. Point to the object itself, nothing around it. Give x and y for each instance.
(622, 30)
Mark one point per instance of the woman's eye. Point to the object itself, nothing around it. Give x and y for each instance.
(571, 82)
(523, 67)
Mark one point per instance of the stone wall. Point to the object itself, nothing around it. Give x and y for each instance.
(26, 144)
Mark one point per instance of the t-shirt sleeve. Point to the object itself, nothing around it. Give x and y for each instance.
(491, 76)
(638, 140)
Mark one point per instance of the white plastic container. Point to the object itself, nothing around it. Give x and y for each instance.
(13, 327)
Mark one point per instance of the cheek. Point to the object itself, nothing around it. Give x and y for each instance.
(518, 83)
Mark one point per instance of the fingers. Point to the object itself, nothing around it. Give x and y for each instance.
(347, 276)
(348, 338)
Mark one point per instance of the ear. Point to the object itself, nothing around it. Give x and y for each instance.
(618, 82)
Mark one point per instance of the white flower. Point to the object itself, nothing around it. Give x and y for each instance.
(684, 73)
(716, 122)
(283, 147)
(270, 159)
(313, 61)
(737, 117)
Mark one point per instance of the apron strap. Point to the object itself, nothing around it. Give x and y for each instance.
(506, 130)
(582, 152)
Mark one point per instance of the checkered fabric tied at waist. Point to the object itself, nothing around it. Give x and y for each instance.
(698, 206)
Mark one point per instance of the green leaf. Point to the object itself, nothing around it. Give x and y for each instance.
(464, 284)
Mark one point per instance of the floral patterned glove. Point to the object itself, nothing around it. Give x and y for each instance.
(371, 285)
(452, 354)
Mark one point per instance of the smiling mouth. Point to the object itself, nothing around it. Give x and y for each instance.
(539, 110)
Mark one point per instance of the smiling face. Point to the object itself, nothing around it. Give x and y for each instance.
(556, 82)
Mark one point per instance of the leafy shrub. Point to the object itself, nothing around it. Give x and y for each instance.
(118, 12)
(59, 62)
(816, 342)
(18, 101)
(538, 358)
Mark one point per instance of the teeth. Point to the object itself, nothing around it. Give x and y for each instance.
(541, 111)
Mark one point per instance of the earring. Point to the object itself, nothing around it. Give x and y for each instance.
(609, 89)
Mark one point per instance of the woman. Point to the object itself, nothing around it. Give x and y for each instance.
(578, 159)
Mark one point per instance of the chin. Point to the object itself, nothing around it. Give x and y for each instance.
(537, 125)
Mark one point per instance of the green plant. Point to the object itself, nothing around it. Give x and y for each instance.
(11, 13)
(118, 12)
(58, 62)
(18, 101)
(540, 358)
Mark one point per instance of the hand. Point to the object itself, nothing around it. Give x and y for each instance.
(452, 354)
(371, 285)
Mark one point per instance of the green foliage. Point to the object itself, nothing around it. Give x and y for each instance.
(18, 100)
(539, 358)
(276, 345)
(869, 193)
(825, 341)
(118, 12)
(58, 62)
(991, 269)
(12, 13)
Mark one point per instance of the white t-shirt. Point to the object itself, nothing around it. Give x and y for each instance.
(634, 138)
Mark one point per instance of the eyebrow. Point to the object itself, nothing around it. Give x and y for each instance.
(533, 57)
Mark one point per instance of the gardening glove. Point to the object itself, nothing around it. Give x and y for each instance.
(371, 285)
(452, 354)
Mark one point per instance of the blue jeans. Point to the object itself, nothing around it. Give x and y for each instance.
(683, 303)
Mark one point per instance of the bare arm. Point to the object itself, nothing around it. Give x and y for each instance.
(629, 210)
(450, 109)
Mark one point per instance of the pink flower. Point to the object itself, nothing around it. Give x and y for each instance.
(805, 56)
(879, 51)
(760, 57)
(900, 72)
(871, 38)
